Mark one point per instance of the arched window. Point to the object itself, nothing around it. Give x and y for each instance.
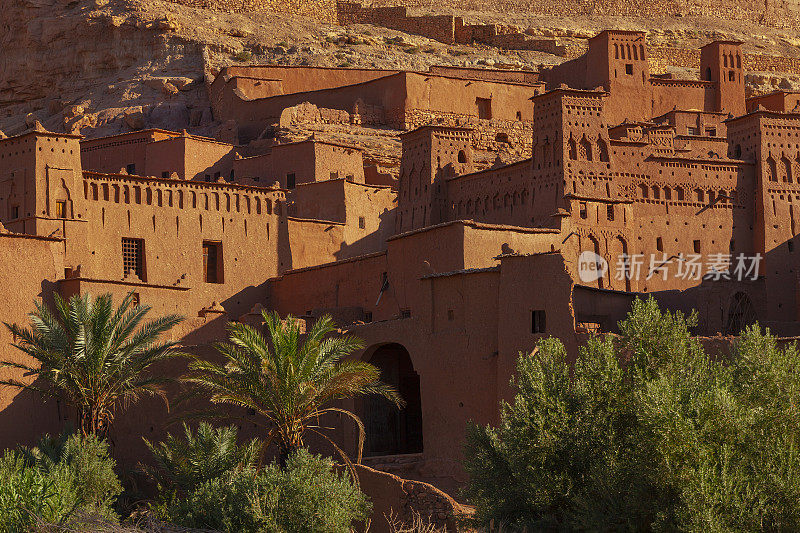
(602, 149)
(462, 156)
(585, 150)
(573, 149)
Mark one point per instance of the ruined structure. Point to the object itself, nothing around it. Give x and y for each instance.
(625, 184)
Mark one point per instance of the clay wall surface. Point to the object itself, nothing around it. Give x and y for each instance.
(254, 115)
(155, 152)
(173, 219)
(366, 211)
(29, 265)
(392, 496)
(514, 76)
(111, 154)
(320, 10)
(308, 161)
(774, 13)
(783, 101)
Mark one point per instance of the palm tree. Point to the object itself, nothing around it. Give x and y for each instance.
(287, 382)
(95, 356)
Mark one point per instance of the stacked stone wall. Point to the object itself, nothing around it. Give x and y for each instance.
(321, 10)
(510, 136)
(775, 13)
(447, 29)
(690, 58)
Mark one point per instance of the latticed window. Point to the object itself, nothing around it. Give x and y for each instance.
(133, 257)
(61, 209)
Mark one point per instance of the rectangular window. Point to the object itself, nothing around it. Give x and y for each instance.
(290, 180)
(362, 223)
(696, 247)
(711, 132)
(583, 210)
(451, 314)
(610, 212)
(135, 300)
(14, 211)
(133, 258)
(538, 322)
(165, 174)
(350, 178)
(692, 130)
(334, 175)
(484, 108)
(61, 209)
(131, 168)
(629, 69)
(405, 313)
(212, 262)
(659, 244)
(367, 316)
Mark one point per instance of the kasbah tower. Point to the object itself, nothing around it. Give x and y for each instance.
(510, 204)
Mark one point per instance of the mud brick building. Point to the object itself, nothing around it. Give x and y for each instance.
(449, 271)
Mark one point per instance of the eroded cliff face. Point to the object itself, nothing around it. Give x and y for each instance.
(100, 67)
(77, 64)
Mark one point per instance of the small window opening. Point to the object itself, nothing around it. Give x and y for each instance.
(696, 246)
(212, 261)
(133, 257)
(61, 209)
(290, 180)
(538, 322)
(629, 69)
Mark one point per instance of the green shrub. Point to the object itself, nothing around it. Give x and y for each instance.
(244, 55)
(308, 496)
(645, 433)
(62, 480)
(182, 464)
(208, 481)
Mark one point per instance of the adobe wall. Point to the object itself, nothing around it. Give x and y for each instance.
(252, 116)
(661, 57)
(309, 161)
(173, 218)
(514, 76)
(28, 264)
(771, 13)
(111, 154)
(320, 10)
(392, 496)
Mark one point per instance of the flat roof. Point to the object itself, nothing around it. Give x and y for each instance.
(570, 90)
(41, 134)
(473, 224)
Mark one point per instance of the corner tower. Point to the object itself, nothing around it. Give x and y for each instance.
(430, 155)
(721, 62)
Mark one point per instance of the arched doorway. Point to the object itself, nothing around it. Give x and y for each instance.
(391, 431)
(740, 314)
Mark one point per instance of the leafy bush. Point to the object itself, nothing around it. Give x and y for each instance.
(62, 480)
(209, 481)
(647, 433)
(244, 55)
(182, 464)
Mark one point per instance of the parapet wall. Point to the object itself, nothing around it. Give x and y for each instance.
(447, 29)
(775, 13)
(685, 57)
(320, 10)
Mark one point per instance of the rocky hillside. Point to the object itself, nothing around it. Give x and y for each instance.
(106, 66)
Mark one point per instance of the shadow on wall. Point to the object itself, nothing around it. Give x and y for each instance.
(372, 242)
